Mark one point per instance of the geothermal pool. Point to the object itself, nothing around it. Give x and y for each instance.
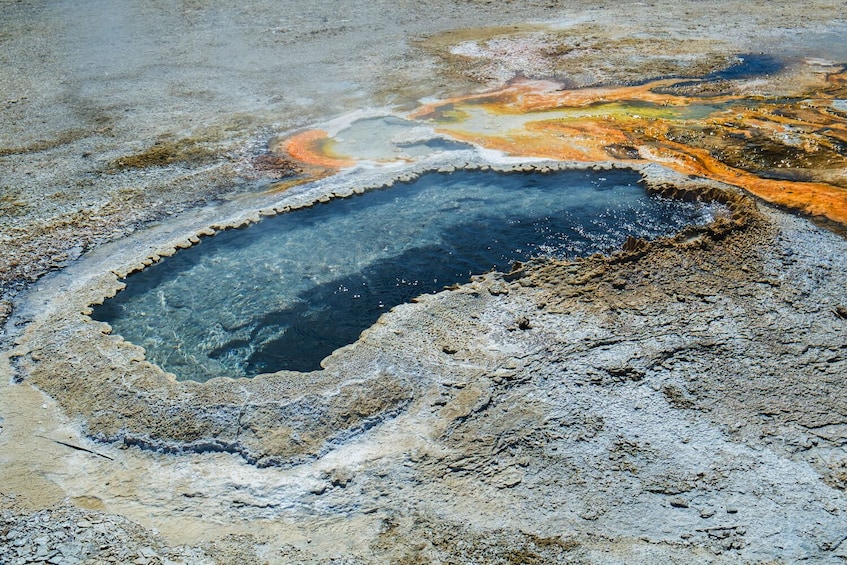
(286, 292)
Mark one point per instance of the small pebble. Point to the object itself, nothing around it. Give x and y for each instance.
(679, 502)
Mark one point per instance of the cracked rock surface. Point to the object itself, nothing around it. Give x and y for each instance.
(677, 402)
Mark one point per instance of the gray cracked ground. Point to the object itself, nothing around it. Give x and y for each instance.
(683, 406)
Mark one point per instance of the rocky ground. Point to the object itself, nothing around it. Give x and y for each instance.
(676, 402)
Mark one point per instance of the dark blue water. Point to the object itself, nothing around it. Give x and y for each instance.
(285, 293)
(750, 65)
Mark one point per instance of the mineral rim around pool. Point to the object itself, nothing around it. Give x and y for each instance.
(285, 293)
(674, 401)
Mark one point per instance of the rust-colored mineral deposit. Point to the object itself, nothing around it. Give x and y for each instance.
(311, 147)
(789, 151)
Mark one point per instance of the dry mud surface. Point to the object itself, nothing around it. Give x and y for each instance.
(680, 401)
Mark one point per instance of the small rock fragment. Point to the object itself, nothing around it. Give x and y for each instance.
(679, 502)
(318, 489)
(510, 479)
(498, 289)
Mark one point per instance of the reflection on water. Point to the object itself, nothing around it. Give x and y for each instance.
(285, 293)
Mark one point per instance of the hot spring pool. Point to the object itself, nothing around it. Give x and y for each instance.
(286, 292)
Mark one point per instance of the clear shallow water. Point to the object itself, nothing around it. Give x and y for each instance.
(285, 293)
(388, 138)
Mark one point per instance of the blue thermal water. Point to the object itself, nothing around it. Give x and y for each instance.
(286, 292)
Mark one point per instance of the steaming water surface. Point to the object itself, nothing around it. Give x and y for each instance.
(285, 293)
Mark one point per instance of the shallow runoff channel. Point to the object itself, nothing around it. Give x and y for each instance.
(286, 292)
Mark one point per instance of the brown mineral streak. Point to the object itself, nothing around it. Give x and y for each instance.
(526, 96)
